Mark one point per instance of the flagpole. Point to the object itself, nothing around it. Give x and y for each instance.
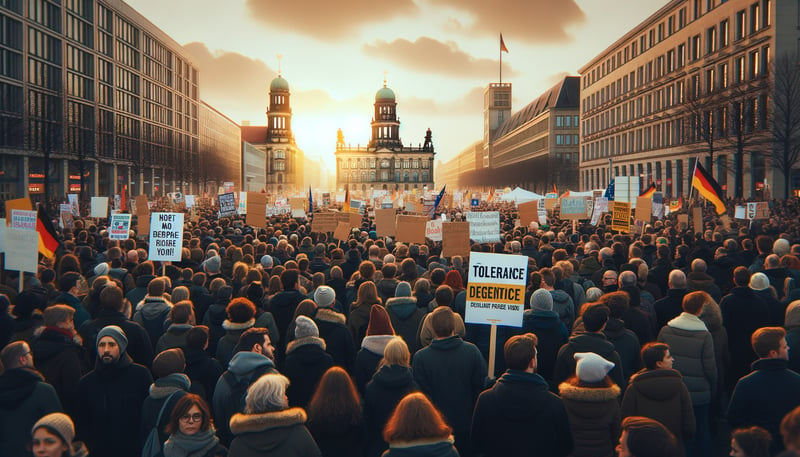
(501, 59)
(691, 185)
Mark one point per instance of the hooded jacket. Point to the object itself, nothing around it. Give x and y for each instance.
(279, 434)
(306, 362)
(338, 339)
(368, 358)
(661, 395)
(61, 361)
(388, 386)
(564, 307)
(24, 398)
(626, 343)
(138, 293)
(552, 334)
(140, 349)
(151, 313)
(227, 344)
(692, 346)
(587, 342)
(406, 318)
(174, 337)
(594, 416)
(167, 389)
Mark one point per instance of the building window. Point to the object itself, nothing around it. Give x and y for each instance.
(755, 17)
(723, 33)
(755, 64)
(723, 75)
(740, 26)
(711, 40)
(695, 47)
(738, 69)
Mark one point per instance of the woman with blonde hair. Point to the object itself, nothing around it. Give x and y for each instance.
(417, 428)
(358, 319)
(388, 386)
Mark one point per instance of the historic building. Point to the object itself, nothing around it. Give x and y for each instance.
(384, 164)
(695, 80)
(284, 160)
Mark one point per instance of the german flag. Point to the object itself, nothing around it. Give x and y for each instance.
(48, 241)
(708, 188)
(649, 191)
(346, 205)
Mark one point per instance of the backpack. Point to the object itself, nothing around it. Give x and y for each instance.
(152, 445)
(239, 387)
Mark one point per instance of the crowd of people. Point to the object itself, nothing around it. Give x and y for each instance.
(283, 341)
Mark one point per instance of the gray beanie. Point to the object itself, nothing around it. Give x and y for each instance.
(542, 300)
(59, 423)
(324, 296)
(114, 332)
(213, 264)
(403, 289)
(101, 269)
(304, 327)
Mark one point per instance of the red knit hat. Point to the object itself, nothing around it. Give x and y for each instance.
(379, 322)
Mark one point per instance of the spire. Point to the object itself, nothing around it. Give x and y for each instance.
(280, 56)
(384, 77)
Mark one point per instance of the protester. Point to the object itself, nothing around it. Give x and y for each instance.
(53, 436)
(191, 430)
(416, 427)
(335, 418)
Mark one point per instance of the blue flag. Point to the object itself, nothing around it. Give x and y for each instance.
(610, 191)
(438, 200)
(310, 201)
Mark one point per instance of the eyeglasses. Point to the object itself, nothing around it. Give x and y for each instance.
(196, 417)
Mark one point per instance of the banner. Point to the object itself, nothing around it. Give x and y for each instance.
(484, 227)
(496, 289)
(227, 205)
(119, 226)
(166, 236)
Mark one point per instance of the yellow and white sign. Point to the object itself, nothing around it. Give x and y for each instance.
(496, 289)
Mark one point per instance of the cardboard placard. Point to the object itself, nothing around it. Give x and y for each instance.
(166, 236)
(621, 216)
(324, 222)
(19, 203)
(99, 207)
(528, 212)
(298, 203)
(256, 207)
(342, 231)
(455, 239)
(644, 209)
(550, 203)
(411, 207)
(352, 219)
(21, 248)
(411, 229)
(697, 219)
(385, 221)
(683, 221)
(142, 215)
(484, 226)
(573, 208)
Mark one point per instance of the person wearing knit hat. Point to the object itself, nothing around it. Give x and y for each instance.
(591, 368)
(266, 262)
(379, 333)
(324, 296)
(759, 281)
(53, 435)
(119, 337)
(541, 300)
(170, 385)
(241, 316)
(405, 315)
(379, 322)
(306, 361)
(551, 332)
(168, 362)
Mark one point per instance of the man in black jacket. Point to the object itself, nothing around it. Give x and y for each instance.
(519, 415)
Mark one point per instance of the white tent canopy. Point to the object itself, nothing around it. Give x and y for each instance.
(588, 193)
(520, 195)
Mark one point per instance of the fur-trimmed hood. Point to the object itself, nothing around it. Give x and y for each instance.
(228, 325)
(376, 344)
(305, 341)
(329, 315)
(688, 322)
(252, 423)
(572, 391)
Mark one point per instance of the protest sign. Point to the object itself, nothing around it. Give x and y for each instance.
(758, 210)
(189, 201)
(433, 230)
(550, 203)
(683, 221)
(323, 222)
(484, 227)
(99, 207)
(298, 203)
(23, 220)
(256, 209)
(67, 220)
(658, 205)
(352, 219)
(20, 204)
(73, 202)
(342, 231)
(411, 207)
(573, 208)
(644, 209)
(227, 187)
(697, 219)
(120, 224)
(21, 250)
(142, 216)
(242, 207)
(385, 219)
(528, 212)
(411, 229)
(740, 213)
(227, 205)
(496, 289)
(621, 216)
(298, 213)
(455, 239)
(166, 236)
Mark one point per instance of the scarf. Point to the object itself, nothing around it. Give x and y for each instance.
(180, 445)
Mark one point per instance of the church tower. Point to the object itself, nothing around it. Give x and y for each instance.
(284, 160)
(279, 113)
(385, 124)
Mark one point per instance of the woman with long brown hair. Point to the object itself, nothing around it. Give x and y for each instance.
(417, 428)
(334, 415)
(358, 319)
(191, 430)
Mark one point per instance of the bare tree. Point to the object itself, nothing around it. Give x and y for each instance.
(701, 120)
(743, 130)
(785, 125)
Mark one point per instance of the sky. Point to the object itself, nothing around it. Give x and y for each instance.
(436, 55)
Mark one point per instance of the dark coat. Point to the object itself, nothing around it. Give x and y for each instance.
(338, 339)
(587, 342)
(669, 307)
(594, 417)
(423, 448)
(140, 349)
(282, 307)
(626, 343)
(203, 371)
(358, 321)
(518, 413)
(138, 293)
(764, 396)
(278, 434)
(661, 395)
(551, 333)
(406, 318)
(61, 361)
(306, 362)
(111, 398)
(227, 344)
(169, 390)
(340, 438)
(388, 386)
(174, 337)
(659, 274)
(701, 281)
(24, 398)
(368, 358)
(742, 314)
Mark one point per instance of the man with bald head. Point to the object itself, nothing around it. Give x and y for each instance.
(671, 305)
(699, 279)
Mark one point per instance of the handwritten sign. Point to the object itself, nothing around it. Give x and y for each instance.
(433, 230)
(324, 221)
(411, 229)
(166, 236)
(484, 227)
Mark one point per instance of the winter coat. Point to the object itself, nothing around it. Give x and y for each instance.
(338, 339)
(167, 389)
(764, 396)
(138, 293)
(626, 343)
(339, 438)
(587, 342)
(388, 386)
(518, 413)
(594, 417)
(451, 372)
(386, 289)
(692, 346)
(282, 307)
(213, 319)
(140, 349)
(279, 434)
(358, 321)
(24, 398)
(670, 306)
(551, 333)
(433, 447)
(306, 362)
(227, 344)
(712, 317)
(151, 313)
(174, 337)
(564, 307)
(406, 318)
(368, 358)
(61, 361)
(742, 314)
(203, 371)
(703, 282)
(111, 398)
(246, 367)
(661, 395)
(425, 333)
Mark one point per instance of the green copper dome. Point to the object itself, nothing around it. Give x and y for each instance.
(279, 84)
(384, 94)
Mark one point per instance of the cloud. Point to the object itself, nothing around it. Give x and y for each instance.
(326, 19)
(527, 21)
(432, 56)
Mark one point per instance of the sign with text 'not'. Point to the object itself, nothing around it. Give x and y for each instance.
(166, 236)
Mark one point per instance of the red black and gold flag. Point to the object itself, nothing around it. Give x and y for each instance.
(708, 188)
(649, 191)
(48, 240)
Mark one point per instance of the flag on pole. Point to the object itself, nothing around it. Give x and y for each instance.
(438, 200)
(609, 193)
(503, 47)
(124, 198)
(708, 188)
(310, 201)
(555, 189)
(48, 242)
(649, 191)
(346, 206)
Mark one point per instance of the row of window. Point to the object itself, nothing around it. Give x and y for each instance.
(372, 163)
(567, 121)
(45, 13)
(567, 140)
(80, 30)
(10, 32)
(398, 176)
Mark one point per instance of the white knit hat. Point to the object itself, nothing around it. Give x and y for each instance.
(591, 367)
